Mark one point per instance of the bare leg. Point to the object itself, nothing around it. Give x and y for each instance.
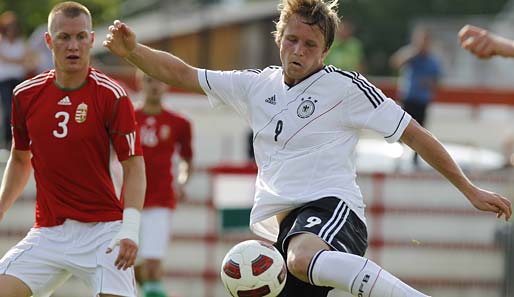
(13, 287)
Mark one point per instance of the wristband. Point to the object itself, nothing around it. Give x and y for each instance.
(129, 227)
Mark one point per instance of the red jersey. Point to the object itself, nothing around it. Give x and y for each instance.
(70, 133)
(161, 134)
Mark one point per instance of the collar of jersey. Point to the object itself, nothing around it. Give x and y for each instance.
(69, 89)
(289, 87)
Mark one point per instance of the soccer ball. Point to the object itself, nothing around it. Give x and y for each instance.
(253, 268)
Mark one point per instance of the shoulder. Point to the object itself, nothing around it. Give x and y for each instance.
(107, 84)
(35, 84)
(261, 73)
(341, 76)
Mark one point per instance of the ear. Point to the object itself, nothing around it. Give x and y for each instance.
(92, 38)
(48, 40)
(325, 53)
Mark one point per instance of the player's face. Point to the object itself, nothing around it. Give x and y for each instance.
(153, 89)
(302, 50)
(70, 41)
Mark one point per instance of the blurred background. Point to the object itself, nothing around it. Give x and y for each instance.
(420, 227)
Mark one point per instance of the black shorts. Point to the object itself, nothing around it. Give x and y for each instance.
(330, 219)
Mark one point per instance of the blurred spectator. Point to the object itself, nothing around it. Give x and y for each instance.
(420, 71)
(14, 55)
(347, 52)
(42, 54)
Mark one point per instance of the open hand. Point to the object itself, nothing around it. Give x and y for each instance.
(126, 255)
(121, 41)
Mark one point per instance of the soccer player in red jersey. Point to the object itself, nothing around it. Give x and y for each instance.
(65, 122)
(162, 133)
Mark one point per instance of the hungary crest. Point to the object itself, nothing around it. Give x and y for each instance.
(81, 113)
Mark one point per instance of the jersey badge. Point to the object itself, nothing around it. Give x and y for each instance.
(64, 101)
(306, 108)
(272, 100)
(164, 132)
(81, 113)
(150, 121)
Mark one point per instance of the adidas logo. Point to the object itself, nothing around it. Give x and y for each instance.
(64, 101)
(272, 100)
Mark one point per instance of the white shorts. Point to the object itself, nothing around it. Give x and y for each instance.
(48, 256)
(155, 235)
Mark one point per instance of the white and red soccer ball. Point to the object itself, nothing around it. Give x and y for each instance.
(253, 268)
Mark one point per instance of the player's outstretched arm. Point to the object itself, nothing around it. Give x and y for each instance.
(16, 175)
(434, 153)
(158, 64)
(134, 185)
(485, 44)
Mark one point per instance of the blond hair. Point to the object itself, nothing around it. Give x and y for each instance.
(314, 12)
(69, 9)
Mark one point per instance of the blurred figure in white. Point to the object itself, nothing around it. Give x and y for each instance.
(13, 61)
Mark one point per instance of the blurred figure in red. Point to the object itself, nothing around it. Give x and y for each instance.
(162, 134)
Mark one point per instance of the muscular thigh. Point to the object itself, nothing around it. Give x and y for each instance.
(35, 262)
(334, 223)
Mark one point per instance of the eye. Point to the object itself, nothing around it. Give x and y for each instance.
(82, 36)
(291, 38)
(64, 37)
(311, 44)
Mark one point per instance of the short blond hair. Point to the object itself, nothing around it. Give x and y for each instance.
(315, 12)
(69, 9)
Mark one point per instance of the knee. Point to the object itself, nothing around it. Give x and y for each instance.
(298, 260)
(153, 269)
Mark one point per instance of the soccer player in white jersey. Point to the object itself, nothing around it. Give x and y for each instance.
(306, 119)
(65, 122)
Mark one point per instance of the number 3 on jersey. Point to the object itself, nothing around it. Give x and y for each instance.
(62, 131)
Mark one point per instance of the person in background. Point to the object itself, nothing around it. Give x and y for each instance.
(420, 71)
(163, 133)
(14, 61)
(347, 52)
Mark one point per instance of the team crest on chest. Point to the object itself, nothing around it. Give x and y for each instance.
(81, 113)
(164, 132)
(306, 108)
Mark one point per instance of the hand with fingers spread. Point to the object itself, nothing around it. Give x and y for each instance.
(121, 40)
(485, 44)
(492, 202)
(126, 255)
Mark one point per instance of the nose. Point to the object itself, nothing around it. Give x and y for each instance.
(73, 44)
(298, 49)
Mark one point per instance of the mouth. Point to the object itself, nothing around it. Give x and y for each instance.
(72, 57)
(296, 64)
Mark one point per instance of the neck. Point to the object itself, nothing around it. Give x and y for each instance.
(152, 108)
(71, 81)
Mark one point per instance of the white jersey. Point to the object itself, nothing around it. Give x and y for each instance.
(304, 135)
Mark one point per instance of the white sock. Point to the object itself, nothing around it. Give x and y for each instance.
(357, 275)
